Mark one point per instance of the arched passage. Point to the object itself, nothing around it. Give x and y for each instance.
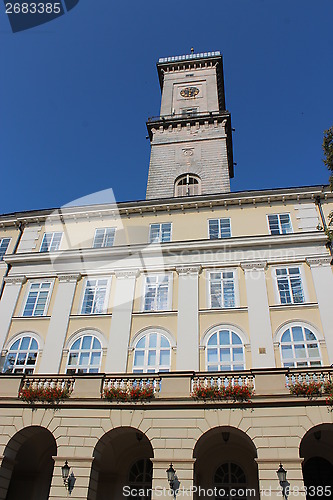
(225, 461)
(316, 450)
(27, 467)
(121, 459)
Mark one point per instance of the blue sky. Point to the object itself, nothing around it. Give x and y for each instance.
(75, 93)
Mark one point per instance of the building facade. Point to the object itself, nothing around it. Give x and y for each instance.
(194, 287)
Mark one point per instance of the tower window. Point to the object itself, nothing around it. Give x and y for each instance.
(188, 185)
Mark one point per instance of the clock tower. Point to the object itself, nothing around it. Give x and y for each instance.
(191, 140)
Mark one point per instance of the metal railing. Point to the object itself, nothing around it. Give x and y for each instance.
(186, 116)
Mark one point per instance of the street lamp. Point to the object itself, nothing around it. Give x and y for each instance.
(173, 480)
(282, 475)
(68, 479)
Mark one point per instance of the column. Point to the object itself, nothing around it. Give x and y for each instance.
(261, 337)
(13, 285)
(80, 468)
(188, 318)
(116, 357)
(56, 334)
(323, 282)
(269, 485)
(185, 472)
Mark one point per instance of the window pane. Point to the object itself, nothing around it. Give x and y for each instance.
(84, 358)
(300, 351)
(286, 337)
(224, 337)
(165, 358)
(287, 351)
(86, 342)
(152, 340)
(297, 334)
(25, 343)
(238, 354)
(236, 339)
(225, 355)
(139, 358)
(212, 355)
(164, 342)
(152, 358)
(213, 229)
(95, 358)
(212, 340)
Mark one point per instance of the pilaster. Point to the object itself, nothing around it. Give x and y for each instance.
(185, 472)
(13, 285)
(188, 318)
(80, 468)
(261, 337)
(116, 358)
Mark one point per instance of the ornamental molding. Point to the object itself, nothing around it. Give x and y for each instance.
(188, 270)
(254, 266)
(324, 261)
(69, 278)
(15, 280)
(127, 273)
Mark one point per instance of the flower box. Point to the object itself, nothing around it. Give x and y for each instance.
(133, 394)
(230, 392)
(44, 394)
(311, 389)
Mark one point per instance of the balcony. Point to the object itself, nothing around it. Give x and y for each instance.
(267, 387)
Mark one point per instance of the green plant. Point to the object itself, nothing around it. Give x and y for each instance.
(230, 392)
(328, 152)
(44, 394)
(136, 393)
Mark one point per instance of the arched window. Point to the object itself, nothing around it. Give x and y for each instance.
(140, 479)
(299, 347)
(22, 356)
(230, 476)
(188, 185)
(152, 354)
(84, 355)
(225, 352)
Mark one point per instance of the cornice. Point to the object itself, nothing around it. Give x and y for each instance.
(69, 278)
(15, 280)
(144, 250)
(127, 273)
(188, 270)
(254, 265)
(143, 207)
(320, 261)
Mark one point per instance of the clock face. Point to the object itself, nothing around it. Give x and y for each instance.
(189, 92)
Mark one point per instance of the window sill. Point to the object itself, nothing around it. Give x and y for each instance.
(223, 309)
(94, 315)
(30, 317)
(294, 306)
(154, 313)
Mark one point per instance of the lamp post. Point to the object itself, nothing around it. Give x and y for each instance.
(282, 475)
(173, 480)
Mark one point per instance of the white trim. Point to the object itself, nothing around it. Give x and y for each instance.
(234, 270)
(47, 304)
(85, 331)
(39, 339)
(219, 238)
(280, 234)
(276, 288)
(170, 291)
(141, 333)
(224, 326)
(290, 323)
(106, 298)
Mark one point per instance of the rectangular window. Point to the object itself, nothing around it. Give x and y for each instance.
(189, 111)
(38, 298)
(156, 293)
(222, 289)
(160, 233)
(51, 242)
(94, 297)
(4, 242)
(280, 224)
(104, 237)
(290, 287)
(219, 228)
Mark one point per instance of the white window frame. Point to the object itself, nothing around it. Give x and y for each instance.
(79, 337)
(276, 287)
(216, 330)
(104, 237)
(160, 232)
(236, 288)
(20, 337)
(157, 368)
(219, 238)
(278, 215)
(47, 304)
(106, 298)
(1, 240)
(170, 284)
(53, 233)
(289, 326)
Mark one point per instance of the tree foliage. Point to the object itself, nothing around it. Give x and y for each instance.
(328, 152)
